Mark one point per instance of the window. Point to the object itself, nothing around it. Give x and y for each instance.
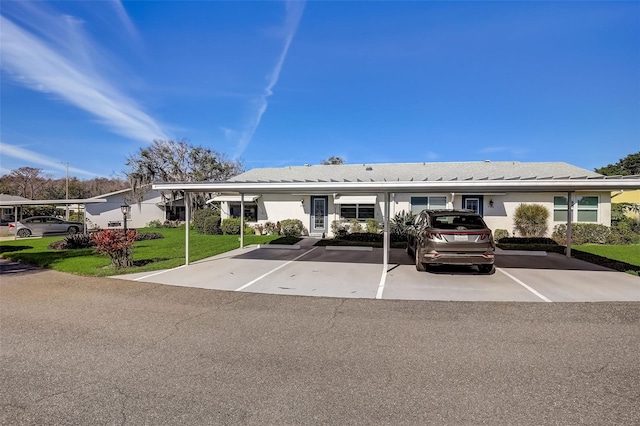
(587, 209)
(250, 211)
(420, 203)
(357, 211)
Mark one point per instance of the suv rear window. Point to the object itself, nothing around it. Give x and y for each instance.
(453, 221)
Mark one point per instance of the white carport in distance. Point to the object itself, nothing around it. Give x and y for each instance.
(568, 185)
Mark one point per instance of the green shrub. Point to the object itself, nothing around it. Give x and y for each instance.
(530, 220)
(292, 228)
(248, 230)
(355, 227)
(199, 217)
(212, 225)
(272, 228)
(339, 228)
(582, 233)
(623, 233)
(400, 223)
(372, 226)
(499, 234)
(76, 241)
(146, 236)
(76, 217)
(231, 226)
(154, 224)
(528, 240)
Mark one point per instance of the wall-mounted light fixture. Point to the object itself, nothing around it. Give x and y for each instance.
(491, 203)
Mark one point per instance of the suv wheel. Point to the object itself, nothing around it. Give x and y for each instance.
(73, 230)
(485, 269)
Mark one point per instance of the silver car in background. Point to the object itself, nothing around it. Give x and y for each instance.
(42, 225)
(451, 237)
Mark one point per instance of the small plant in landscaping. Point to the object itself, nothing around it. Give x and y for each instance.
(499, 234)
(258, 228)
(212, 225)
(339, 228)
(76, 241)
(400, 223)
(116, 244)
(530, 220)
(231, 226)
(372, 226)
(292, 228)
(146, 236)
(154, 224)
(355, 227)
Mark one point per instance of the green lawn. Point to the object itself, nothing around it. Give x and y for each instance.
(623, 253)
(149, 255)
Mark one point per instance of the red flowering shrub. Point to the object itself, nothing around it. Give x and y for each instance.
(115, 244)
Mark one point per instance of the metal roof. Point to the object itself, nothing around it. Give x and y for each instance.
(442, 171)
(479, 177)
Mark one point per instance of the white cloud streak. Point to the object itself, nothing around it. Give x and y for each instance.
(61, 64)
(294, 10)
(32, 157)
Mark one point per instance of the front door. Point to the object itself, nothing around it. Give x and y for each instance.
(318, 215)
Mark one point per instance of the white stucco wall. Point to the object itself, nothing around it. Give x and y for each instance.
(100, 214)
(276, 207)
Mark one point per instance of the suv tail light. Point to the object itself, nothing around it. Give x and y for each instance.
(434, 236)
(12, 225)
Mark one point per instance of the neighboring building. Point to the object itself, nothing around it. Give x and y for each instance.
(318, 210)
(632, 197)
(152, 207)
(7, 211)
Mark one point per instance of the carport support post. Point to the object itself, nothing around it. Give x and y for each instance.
(241, 220)
(15, 222)
(569, 217)
(187, 215)
(385, 249)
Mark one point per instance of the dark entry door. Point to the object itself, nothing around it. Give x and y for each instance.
(319, 218)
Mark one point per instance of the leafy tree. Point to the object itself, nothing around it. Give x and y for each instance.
(629, 165)
(178, 161)
(530, 220)
(333, 160)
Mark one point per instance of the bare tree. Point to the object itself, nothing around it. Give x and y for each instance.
(27, 182)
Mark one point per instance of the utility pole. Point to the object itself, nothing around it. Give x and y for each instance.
(66, 216)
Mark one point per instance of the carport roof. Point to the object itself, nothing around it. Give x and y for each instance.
(415, 177)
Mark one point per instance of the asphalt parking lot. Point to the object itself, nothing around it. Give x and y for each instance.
(322, 271)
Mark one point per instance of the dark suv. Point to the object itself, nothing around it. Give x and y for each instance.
(451, 237)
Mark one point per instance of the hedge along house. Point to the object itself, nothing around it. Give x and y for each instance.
(317, 195)
(151, 207)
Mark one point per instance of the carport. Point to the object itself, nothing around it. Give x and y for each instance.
(78, 201)
(557, 185)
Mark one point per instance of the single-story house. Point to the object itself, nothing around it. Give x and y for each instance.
(632, 197)
(152, 207)
(317, 209)
(7, 209)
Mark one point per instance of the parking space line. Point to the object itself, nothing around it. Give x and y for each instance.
(383, 279)
(158, 273)
(541, 296)
(273, 270)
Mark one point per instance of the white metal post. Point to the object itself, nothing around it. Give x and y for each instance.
(187, 215)
(569, 226)
(385, 259)
(241, 220)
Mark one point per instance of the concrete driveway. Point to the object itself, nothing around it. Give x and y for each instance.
(358, 273)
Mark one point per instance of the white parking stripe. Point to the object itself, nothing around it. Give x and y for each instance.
(383, 278)
(158, 273)
(546, 299)
(273, 270)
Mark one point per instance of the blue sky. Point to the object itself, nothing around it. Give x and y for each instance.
(288, 83)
